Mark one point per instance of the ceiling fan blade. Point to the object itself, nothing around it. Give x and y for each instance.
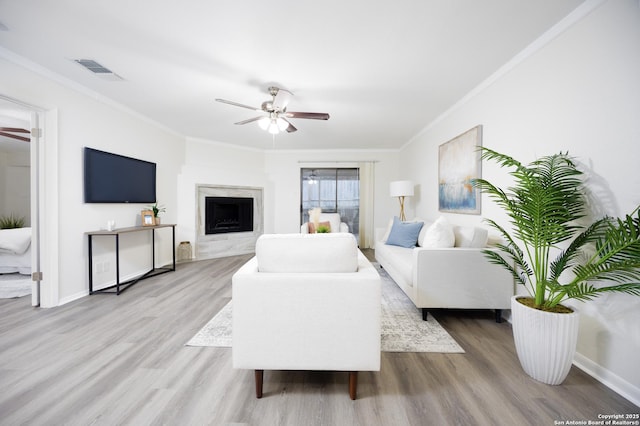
(14, 130)
(20, 138)
(311, 115)
(291, 128)
(281, 99)
(251, 120)
(224, 101)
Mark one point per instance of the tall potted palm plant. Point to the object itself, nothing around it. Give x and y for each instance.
(556, 258)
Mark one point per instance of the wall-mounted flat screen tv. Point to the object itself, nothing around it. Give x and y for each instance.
(113, 178)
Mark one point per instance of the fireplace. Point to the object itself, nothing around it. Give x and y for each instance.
(228, 214)
(225, 238)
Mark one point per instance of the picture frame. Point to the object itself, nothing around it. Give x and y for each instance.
(147, 218)
(459, 164)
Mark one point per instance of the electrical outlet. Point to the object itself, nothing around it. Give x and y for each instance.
(106, 266)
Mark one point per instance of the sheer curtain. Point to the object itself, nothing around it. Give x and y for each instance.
(367, 186)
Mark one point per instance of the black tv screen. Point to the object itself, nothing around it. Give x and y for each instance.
(113, 178)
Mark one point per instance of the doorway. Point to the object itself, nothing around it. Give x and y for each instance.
(20, 145)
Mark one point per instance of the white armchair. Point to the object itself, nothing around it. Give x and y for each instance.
(307, 302)
(335, 222)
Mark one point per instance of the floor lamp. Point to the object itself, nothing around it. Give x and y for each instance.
(401, 189)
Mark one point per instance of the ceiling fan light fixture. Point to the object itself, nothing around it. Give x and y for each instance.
(273, 128)
(264, 123)
(273, 125)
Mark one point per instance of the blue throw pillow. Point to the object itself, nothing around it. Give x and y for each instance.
(404, 234)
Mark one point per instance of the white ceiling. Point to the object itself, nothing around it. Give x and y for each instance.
(382, 69)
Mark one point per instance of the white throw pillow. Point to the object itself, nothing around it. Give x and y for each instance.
(470, 236)
(423, 232)
(15, 240)
(439, 235)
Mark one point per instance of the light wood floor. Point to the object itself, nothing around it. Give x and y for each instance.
(110, 360)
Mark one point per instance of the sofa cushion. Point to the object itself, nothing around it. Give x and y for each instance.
(335, 252)
(404, 234)
(471, 236)
(439, 234)
(398, 259)
(423, 232)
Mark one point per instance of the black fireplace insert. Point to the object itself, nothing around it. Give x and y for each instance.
(228, 214)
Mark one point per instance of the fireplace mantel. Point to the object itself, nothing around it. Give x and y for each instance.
(210, 246)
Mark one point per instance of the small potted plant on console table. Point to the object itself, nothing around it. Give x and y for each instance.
(157, 209)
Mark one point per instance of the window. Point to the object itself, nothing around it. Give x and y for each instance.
(334, 191)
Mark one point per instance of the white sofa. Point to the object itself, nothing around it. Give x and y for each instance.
(335, 222)
(457, 276)
(307, 302)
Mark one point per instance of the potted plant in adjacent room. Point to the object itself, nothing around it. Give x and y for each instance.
(556, 258)
(157, 209)
(11, 222)
(322, 229)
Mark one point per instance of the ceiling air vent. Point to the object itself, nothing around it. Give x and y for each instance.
(98, 69)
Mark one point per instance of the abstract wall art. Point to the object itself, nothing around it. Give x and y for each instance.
(459, 164)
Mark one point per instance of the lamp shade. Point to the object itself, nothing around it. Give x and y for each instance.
(401, 188)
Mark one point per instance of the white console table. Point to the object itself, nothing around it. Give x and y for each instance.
(119, 287)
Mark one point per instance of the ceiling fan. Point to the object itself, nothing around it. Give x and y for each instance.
(9, 133)
(275, 115)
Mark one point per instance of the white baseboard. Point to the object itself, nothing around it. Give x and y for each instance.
(73, 297)
(84, 293)
(609, 379)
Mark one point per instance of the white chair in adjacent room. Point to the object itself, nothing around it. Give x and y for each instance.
(333, 219)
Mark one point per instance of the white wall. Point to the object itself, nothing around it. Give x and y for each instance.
(14, 185)
(581, 93)
(84, 120)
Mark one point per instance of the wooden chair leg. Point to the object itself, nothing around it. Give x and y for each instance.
(259, 377)
(353, 384)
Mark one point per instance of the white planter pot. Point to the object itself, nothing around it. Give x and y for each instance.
(545, 341)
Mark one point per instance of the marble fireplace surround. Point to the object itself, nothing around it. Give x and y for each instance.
(230, 244)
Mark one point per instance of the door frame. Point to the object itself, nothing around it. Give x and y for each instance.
(43, 292)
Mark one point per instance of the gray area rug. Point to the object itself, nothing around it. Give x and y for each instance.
(14, 285)
(403, 329)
